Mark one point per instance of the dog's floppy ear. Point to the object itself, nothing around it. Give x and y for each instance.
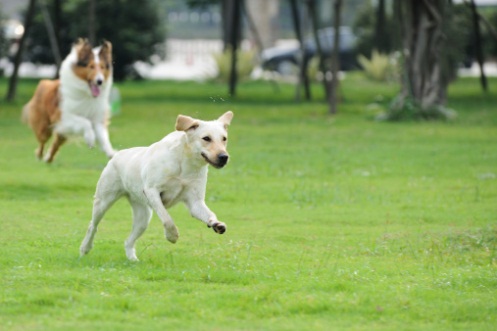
(185, 123)
(226, 118)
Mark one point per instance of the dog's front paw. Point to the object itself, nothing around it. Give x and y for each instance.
(218, 227)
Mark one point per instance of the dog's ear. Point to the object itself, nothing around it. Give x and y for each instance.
(106, 49)
(226, 118)
(106, 53)
(84, 51)
(185, 123)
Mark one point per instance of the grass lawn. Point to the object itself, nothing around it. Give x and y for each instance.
(334, 223)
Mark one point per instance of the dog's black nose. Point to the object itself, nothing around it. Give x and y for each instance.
(99, 81)
(222, 159)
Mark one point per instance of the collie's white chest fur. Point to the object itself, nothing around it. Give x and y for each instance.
(85, 85)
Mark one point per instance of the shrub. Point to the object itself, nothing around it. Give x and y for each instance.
(380, 67)
(244, 64)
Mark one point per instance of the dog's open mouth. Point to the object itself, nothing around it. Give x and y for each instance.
(215, 165)
(95, 89)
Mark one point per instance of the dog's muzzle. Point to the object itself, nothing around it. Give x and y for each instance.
(220, 162)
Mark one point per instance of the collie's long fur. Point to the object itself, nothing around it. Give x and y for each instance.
(75, 105)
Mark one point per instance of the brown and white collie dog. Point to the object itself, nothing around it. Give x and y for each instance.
(77, 104)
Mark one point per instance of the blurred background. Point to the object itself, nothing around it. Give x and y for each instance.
(185, 39)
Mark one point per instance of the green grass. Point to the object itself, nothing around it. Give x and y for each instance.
(334, 223)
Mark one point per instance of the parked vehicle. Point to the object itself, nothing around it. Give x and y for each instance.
(283, 59)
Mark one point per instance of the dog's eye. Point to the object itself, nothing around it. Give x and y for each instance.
(208, 139)
(224, 138)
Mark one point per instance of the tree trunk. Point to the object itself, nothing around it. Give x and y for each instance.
(52, 36)
(478, 45)
(425, 81)
(379, 31)
(311, 5)
(236, 20)
(335, 59)
(18, 58)
(303, 78)
(227, 23)
(57, 22)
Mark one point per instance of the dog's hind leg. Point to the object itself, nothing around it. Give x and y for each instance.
(108, 192)
(141, 218)
(58, 141)
(43, 134)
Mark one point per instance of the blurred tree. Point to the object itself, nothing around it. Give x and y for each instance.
(425, 66)
(335, 60)
(376, 29)
(3, 39)
(297, 25)
(135, 28)
(313, 15)
(234, 40)
(478, 43)
(381, 42)
(28, 25)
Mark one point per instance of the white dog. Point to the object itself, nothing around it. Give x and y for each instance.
(161, 175)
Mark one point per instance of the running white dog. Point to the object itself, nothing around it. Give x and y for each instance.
(161, 175)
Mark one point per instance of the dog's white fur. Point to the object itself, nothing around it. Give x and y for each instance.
(157, 177)
(81, 113)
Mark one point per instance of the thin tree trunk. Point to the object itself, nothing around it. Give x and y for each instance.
(379, 31)
(57, 22)
(236, 20)
(18, 58)
(335, 59)
(303, 78)
(51, 34)
(311, 4)
(478, 45)
(252, 27)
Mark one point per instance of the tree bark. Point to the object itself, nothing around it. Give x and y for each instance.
(425, 81)
(18, 58)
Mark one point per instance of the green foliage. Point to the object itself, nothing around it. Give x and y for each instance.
(380, 67)
(135, 28)
(364, 28)
(334, 223)
(244, 64)
(404, 108)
